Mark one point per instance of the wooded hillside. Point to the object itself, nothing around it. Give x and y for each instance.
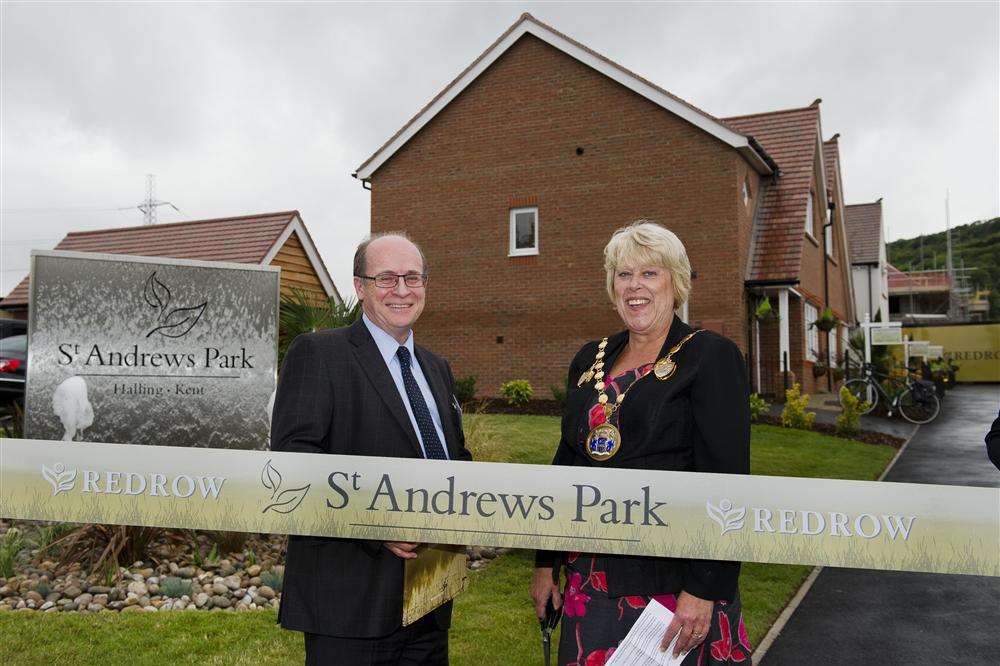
(978, 244)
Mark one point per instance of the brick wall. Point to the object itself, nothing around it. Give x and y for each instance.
(512, 136)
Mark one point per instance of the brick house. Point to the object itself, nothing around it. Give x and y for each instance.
(273, 239)
(514, 177)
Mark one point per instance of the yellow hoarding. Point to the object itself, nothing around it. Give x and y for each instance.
(974, 347)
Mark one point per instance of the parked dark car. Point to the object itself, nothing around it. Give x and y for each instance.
(13, 359)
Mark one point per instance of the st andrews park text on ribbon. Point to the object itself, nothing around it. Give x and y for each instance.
(871, 525)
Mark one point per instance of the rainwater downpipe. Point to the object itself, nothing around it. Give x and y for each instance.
(826, 291)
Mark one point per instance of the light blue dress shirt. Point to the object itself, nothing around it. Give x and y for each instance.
(387, 346)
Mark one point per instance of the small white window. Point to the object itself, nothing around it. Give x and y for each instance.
(828, 237)
(523, 231)
(809, 214)
(746, 193)
(812, 333)
(831, 344)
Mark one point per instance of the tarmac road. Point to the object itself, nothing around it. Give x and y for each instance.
(858, 616)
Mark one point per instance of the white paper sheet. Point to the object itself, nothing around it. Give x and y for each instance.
(641, 647)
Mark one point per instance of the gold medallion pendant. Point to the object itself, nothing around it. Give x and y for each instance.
(603, 442)
(585, 377)
(665, 368)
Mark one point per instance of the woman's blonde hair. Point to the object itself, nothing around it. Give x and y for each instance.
(646, 243)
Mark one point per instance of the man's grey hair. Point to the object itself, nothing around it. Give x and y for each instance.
(361, 254)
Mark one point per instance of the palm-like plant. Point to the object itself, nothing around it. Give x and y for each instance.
(304, 311)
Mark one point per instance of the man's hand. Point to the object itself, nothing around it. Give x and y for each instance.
(542, 588)
(402, 549)
(691, 620)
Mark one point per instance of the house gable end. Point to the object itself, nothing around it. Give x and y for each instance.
(529, 25)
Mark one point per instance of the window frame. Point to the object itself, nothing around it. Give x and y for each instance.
(828, 236)
(513, 250)
(811, 332)
(811, 215)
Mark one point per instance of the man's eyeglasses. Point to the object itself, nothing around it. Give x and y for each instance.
(390, 280)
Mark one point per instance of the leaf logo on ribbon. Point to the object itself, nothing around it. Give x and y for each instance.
(61, 478)
(285, 501)
(726, 515)
(175, 323)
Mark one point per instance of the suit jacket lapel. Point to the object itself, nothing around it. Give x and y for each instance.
(441, 397)
(372, 363)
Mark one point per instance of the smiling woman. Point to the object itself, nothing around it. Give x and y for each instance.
(658, 395)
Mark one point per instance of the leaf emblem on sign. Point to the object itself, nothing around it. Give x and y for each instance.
(270, 477)
(156, 293)
(179, 321)
(728, 517)
(288, 500)
(62, 479)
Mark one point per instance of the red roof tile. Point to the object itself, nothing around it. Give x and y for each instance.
(790, 137)
(864, 231)
(831, 164)
(244, 240)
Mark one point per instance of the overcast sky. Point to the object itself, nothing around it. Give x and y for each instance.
(243, 108)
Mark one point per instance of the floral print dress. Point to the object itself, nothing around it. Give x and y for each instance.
(594, 623)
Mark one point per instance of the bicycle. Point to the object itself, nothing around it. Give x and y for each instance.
(917, 402)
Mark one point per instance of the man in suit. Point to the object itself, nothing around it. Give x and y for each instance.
(366, 389)
(993, 442)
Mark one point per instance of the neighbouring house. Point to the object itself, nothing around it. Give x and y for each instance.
(869, 266)
(514, 177)
(919, 296)
(272, 239)
(800, 256)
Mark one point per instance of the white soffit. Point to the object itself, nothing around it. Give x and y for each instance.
(298, 228)
(527, 24)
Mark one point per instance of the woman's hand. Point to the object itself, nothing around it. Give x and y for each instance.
(543, 588)
(691, 620)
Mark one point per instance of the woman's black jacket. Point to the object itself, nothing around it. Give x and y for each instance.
(698, 420)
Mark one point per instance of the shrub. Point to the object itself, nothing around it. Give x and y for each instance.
(758, 406)
(10, 546)
(517, 391)
(794, 415)
(227, 542)
(559, 395)
(465, 390)
(175, 587)
(850, 415)
(273, 578)
(107, 545)
(51, 536)
(304, 311)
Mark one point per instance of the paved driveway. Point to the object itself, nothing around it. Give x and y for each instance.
(855, 616)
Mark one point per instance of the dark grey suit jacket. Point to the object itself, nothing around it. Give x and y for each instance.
(335, 395)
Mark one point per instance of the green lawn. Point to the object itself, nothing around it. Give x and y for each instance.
(494, 622)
